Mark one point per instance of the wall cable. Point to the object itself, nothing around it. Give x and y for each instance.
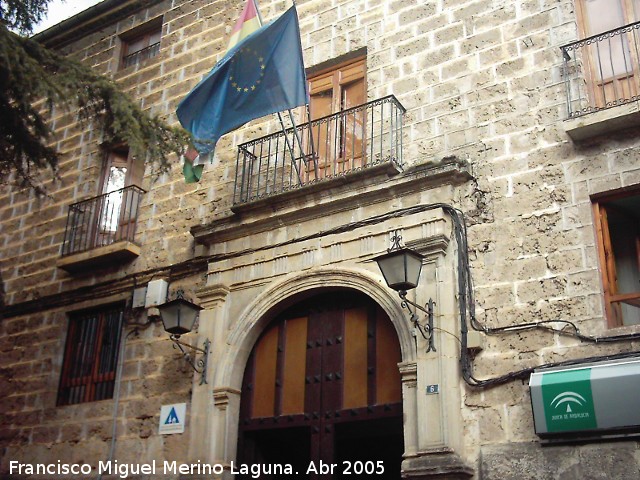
(466, 303)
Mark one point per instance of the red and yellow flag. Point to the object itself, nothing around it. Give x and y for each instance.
(248, 23)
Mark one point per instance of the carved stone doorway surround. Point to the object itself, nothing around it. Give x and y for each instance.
(236, 314)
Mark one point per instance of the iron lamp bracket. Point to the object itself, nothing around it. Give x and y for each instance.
(425, 330)
(199, 365)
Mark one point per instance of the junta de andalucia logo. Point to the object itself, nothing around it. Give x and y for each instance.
(568, 401)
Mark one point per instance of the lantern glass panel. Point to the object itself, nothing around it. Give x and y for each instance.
(401, 268)
(179, 316)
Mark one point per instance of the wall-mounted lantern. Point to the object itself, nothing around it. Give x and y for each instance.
(401, 268)
(178, 317)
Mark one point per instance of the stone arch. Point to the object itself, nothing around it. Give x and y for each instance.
(259, 313)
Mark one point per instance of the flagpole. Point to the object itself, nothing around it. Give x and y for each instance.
(286, 139)
(284, 130)
(297, 134)
(255, 2)
(313, 148)
(295, 130)
(314, 157)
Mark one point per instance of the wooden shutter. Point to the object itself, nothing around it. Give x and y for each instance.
(611, 63)
(338, 141)
(625, 238)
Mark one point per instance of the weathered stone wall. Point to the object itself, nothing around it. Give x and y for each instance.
(36, 431)
(33, 429)
(481, 80)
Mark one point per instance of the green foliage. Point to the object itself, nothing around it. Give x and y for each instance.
(34, 80)
(22, 15)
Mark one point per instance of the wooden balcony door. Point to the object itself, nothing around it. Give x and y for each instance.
(338, 142)
(322, 387)
(612, 61)
(117, 209)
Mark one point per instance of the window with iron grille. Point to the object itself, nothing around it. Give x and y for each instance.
(142, 43)
(91, 356)
(610, 55)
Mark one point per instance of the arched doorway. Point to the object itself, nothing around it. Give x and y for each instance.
(322, 388)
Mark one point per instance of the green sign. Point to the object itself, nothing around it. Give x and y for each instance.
(568, 400)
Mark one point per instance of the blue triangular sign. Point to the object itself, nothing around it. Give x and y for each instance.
(172, 417)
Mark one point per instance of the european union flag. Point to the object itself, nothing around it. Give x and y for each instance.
(263, 74)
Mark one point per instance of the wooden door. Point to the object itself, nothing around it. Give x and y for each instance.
(612, 59)
(322, 384)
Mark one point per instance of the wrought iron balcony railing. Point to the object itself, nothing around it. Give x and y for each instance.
(102, 220)
(336, 145)
(602, 71)
(136, 57)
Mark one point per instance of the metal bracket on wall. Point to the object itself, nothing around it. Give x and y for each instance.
(199, 365)
(425, 330)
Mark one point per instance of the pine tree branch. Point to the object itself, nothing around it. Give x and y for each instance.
(34, 79)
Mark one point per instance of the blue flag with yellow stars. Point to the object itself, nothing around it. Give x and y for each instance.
(262, 74)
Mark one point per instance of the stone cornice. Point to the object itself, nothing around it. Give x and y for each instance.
(336, 196)
(89, 21)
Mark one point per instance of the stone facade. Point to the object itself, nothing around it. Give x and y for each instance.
(485, 131)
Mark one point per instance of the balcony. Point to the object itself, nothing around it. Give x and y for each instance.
(336, 146)
(140, 55)
(601, 74)
(101, 230)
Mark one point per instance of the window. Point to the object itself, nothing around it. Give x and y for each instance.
(611, 59)
(338, 89)
(617, 220)
(111, 216)
(119, 205)
(142, 43)
(91, 356)
(340, 145)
